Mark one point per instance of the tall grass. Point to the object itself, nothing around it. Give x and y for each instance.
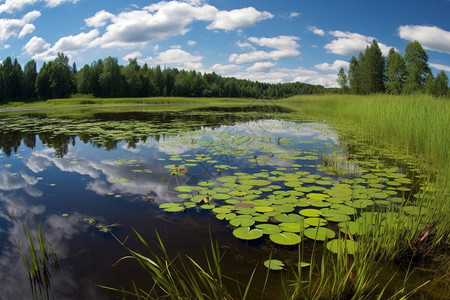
(418, 124)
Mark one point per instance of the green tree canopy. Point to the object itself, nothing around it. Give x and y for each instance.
(417, 68)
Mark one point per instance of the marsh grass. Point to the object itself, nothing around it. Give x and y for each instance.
(38, 258)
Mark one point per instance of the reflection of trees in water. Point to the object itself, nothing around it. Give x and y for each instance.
(106, 130)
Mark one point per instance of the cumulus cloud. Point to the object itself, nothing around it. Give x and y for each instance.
(335, 66)
(77, 42)
(54, 3)
(431, 37)
(17, 27)
(191, 43)
(349, 43)
(27, 29)
(11, 6)
(238, 18)
(99, 19)
(316, 30)
(261, 67)
(223, 69)
(177, 57)
(36, 45)
(132, 55)
(285, 47)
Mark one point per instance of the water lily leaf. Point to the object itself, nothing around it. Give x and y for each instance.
(207, 206)
(243, 222)
(246, 233)
(268, 228)
(310, 212)
(319, 233)
(274, 264)
(219, 196)
(285, 238)
(184, 188)
(263, 209)
(315, 221)
(292, 227)
(342, 246)
(290, 218)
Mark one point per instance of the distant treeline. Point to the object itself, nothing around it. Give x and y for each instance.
(372, 73)
(106, 78)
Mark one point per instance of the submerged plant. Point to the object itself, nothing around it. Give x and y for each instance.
(37, 260)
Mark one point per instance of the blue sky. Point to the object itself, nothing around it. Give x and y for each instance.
(264, 40)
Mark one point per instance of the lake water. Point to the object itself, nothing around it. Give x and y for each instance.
(87, 180)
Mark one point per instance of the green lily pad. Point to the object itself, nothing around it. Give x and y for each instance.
(315, 221)
(310, 212)
(274, 264)
(285, 238)
(243, 222)
(246, 233)
(268, 228)
(319, 233)
(290, 218)
(342, 246)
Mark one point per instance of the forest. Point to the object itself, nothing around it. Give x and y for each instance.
(372, 73)
(107, 79)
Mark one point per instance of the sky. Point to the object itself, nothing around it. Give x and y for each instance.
(264, 40)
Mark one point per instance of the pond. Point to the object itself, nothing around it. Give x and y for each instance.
(252, 179)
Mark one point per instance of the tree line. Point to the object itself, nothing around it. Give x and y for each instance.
(395, 74)
(106, 78)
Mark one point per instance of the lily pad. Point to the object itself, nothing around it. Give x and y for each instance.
(342, 246)
(285, 238)
(319, 233)
(246, 233)
(274, 264)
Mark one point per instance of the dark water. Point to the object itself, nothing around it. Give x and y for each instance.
(63, 180)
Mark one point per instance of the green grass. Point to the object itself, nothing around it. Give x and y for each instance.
(74, 102)
(418, 125)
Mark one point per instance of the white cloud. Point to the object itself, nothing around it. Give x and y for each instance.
(238, 18)
(294, 14)
(316, 30)
(440, 67)
(27, 29)
(54, 3)
(335, 66)
(17, 27)
(81, 41)
(431, 37)
(38, 48)
(11, 6)
(261, 67)
(176, 58)
(223, 69)
(191, 43)
(286, 47)
(132, 55)
(349, 43)
(99, 19)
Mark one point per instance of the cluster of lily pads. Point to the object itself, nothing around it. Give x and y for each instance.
(289, 204)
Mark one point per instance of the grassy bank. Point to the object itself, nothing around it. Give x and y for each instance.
(417, 124)
(155, 101)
